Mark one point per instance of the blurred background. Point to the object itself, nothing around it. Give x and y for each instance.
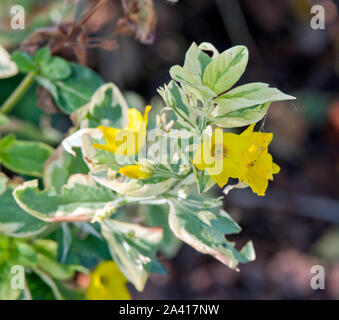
(296, 225)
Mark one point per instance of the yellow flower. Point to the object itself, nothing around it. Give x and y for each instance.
(136, 171)
(107, 283)
(126, 141)
(243, 156)
(221, 156)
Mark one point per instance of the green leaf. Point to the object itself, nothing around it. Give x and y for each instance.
(203, 226)
(107, 107)
(47, 251)
(80, 200)
(26, 130)
(24, 61)
(42, 56)
(88, 248)
(46, 247)
(49, 281)
(24, 157)
(47, 266)
(3, 183)
(248, 95)
(6, 291)
(196, 61)
(75, 91)
(133, 248)
(60, 166)
(209, 49)
(56, 69)
(191, 84)
(203, 179)
(241, 117)
(64, 239)
(158, 216)
(53, 268)
(3, 119)
(7, 67)
(24, 254)
(174, 99)
(15, 222)
(226, 69)
(38, 289)
(182, 75)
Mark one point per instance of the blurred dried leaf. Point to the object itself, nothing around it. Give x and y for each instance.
(44, 37)
(125, 28)
(140, 20)
(69, 40)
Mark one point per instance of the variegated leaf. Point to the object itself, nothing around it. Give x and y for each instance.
(247, 95)
(8, 68)
(226, 69)
(133, 248)
(81, 199)
(60, 166)
(204, 226)
(107, 107)
(14, 221)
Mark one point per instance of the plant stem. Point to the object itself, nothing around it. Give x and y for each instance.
(167, 173)
(202, 125)
(18, 93)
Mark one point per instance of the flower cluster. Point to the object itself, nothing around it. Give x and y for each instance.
(244, 157)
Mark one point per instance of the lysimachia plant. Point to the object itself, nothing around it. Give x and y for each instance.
(113, 159)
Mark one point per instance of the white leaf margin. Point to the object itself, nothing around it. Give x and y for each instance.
(8, 68)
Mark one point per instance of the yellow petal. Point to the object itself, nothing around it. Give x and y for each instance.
(275, 168)
(260, 139)
(136, 171)
(259, 172)
(134, 118)
(126, 142)
(147, 110)
(105, 147)
(248, 130)
(220, 179)
(107, 283)
(203, 156)
(257, 138)
(257, 183)
(233, 168)
(109, 134)
(235, 145)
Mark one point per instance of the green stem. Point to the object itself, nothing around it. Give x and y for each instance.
(203, 124)
(167, 173)
(18, 93)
